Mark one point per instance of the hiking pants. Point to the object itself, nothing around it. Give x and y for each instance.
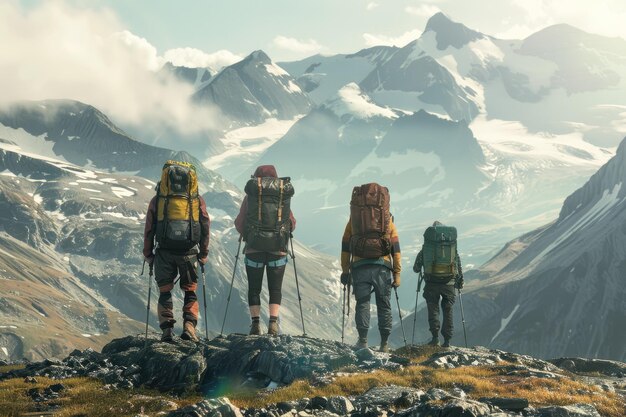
(167, 266)
(432, 293)
(256, 264)
(366, 278)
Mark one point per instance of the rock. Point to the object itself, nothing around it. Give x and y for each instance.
(437, 394)
(578, 410)
(3, 363)
(386, 396)
(591, 366)
(504, 403)
(339, 405)
(219, 407)
(319, 403)
(452, 408)
(57, 387)
(480, 356)
(30, 380)
(607, 387)
(458, 392)
(287, 406)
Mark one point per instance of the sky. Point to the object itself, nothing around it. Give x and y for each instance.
(106, 53)
(292, 29)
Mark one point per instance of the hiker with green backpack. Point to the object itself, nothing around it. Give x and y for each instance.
(371, 259)
(265, 222)
(176, 238)
(442, 272)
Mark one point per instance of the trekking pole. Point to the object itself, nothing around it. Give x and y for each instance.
(343, 315)
(400, 314)
(417, 294)
(462, 316)
(232, 282)
(206, 320)
(149, 297)
(295, 272)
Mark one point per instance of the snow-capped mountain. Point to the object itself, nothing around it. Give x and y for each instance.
(322, 76)
(197, 77)
(254, 90)
(81, 229)
(559, 288)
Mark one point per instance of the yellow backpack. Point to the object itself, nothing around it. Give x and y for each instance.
(178, 207)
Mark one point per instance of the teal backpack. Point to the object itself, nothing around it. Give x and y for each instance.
(439, 252)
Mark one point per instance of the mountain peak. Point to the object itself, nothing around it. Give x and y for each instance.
(259, 56)
(450, 33)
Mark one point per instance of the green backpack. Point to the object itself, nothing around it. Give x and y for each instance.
(439, 252)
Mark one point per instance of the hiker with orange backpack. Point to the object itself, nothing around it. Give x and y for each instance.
(265, 222)
(371, 259)
(178, 222)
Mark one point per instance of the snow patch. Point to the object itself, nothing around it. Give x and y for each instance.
(122, 192)
(276, 70)
(352, 101)
(505, 322)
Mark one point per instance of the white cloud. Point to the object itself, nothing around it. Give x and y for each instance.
(295, 45)
(57, 51)
(195, 58)
(402, 40)
(603, 17)
(371, 5)
(423, 10)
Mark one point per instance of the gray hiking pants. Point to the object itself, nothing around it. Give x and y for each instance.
(433, 292)
(364, 279)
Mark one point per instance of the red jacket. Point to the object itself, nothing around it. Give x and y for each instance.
(150, 229)
(240, 221)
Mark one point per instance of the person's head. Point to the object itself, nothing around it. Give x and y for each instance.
(437, 223)
(265, 171)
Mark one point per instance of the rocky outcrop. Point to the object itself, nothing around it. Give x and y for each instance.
(254, 360)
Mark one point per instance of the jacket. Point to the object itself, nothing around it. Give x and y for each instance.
(151, 225)
(392, 261)
(240, 221)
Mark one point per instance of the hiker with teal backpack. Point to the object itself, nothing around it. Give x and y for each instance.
(265, 222)
(442, 273)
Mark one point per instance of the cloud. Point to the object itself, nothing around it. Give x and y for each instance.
(371, 5)
(402, 40)
(423, 10)
(195, 58)
(57, 51)
(295, 45)
(604, 18)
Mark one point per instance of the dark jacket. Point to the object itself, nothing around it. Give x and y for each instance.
(151, 223)
(240, 221)
(419, 264)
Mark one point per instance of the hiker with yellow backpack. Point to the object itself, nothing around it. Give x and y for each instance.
(176, 238)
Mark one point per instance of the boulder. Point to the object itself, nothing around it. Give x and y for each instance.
(590, 366)
(388, 396)
(505, 403)
(578, 410)
(219, 407)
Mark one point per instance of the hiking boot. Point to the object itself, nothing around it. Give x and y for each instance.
(168, 335)
(255, 328)
(434, 341)
(272, 328)
(384, 347)
(446, 343)
(189, 332)
(361, 344)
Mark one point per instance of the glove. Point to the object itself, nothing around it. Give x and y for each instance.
(458, 283)
(149, 260)
(396, 281)
(345, 278)
(203, 259)
(416, 269)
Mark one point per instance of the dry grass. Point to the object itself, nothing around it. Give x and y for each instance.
(85, 397)
(476, 381)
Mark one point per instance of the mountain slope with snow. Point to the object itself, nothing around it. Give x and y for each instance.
(87, 223)
(559, 289)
